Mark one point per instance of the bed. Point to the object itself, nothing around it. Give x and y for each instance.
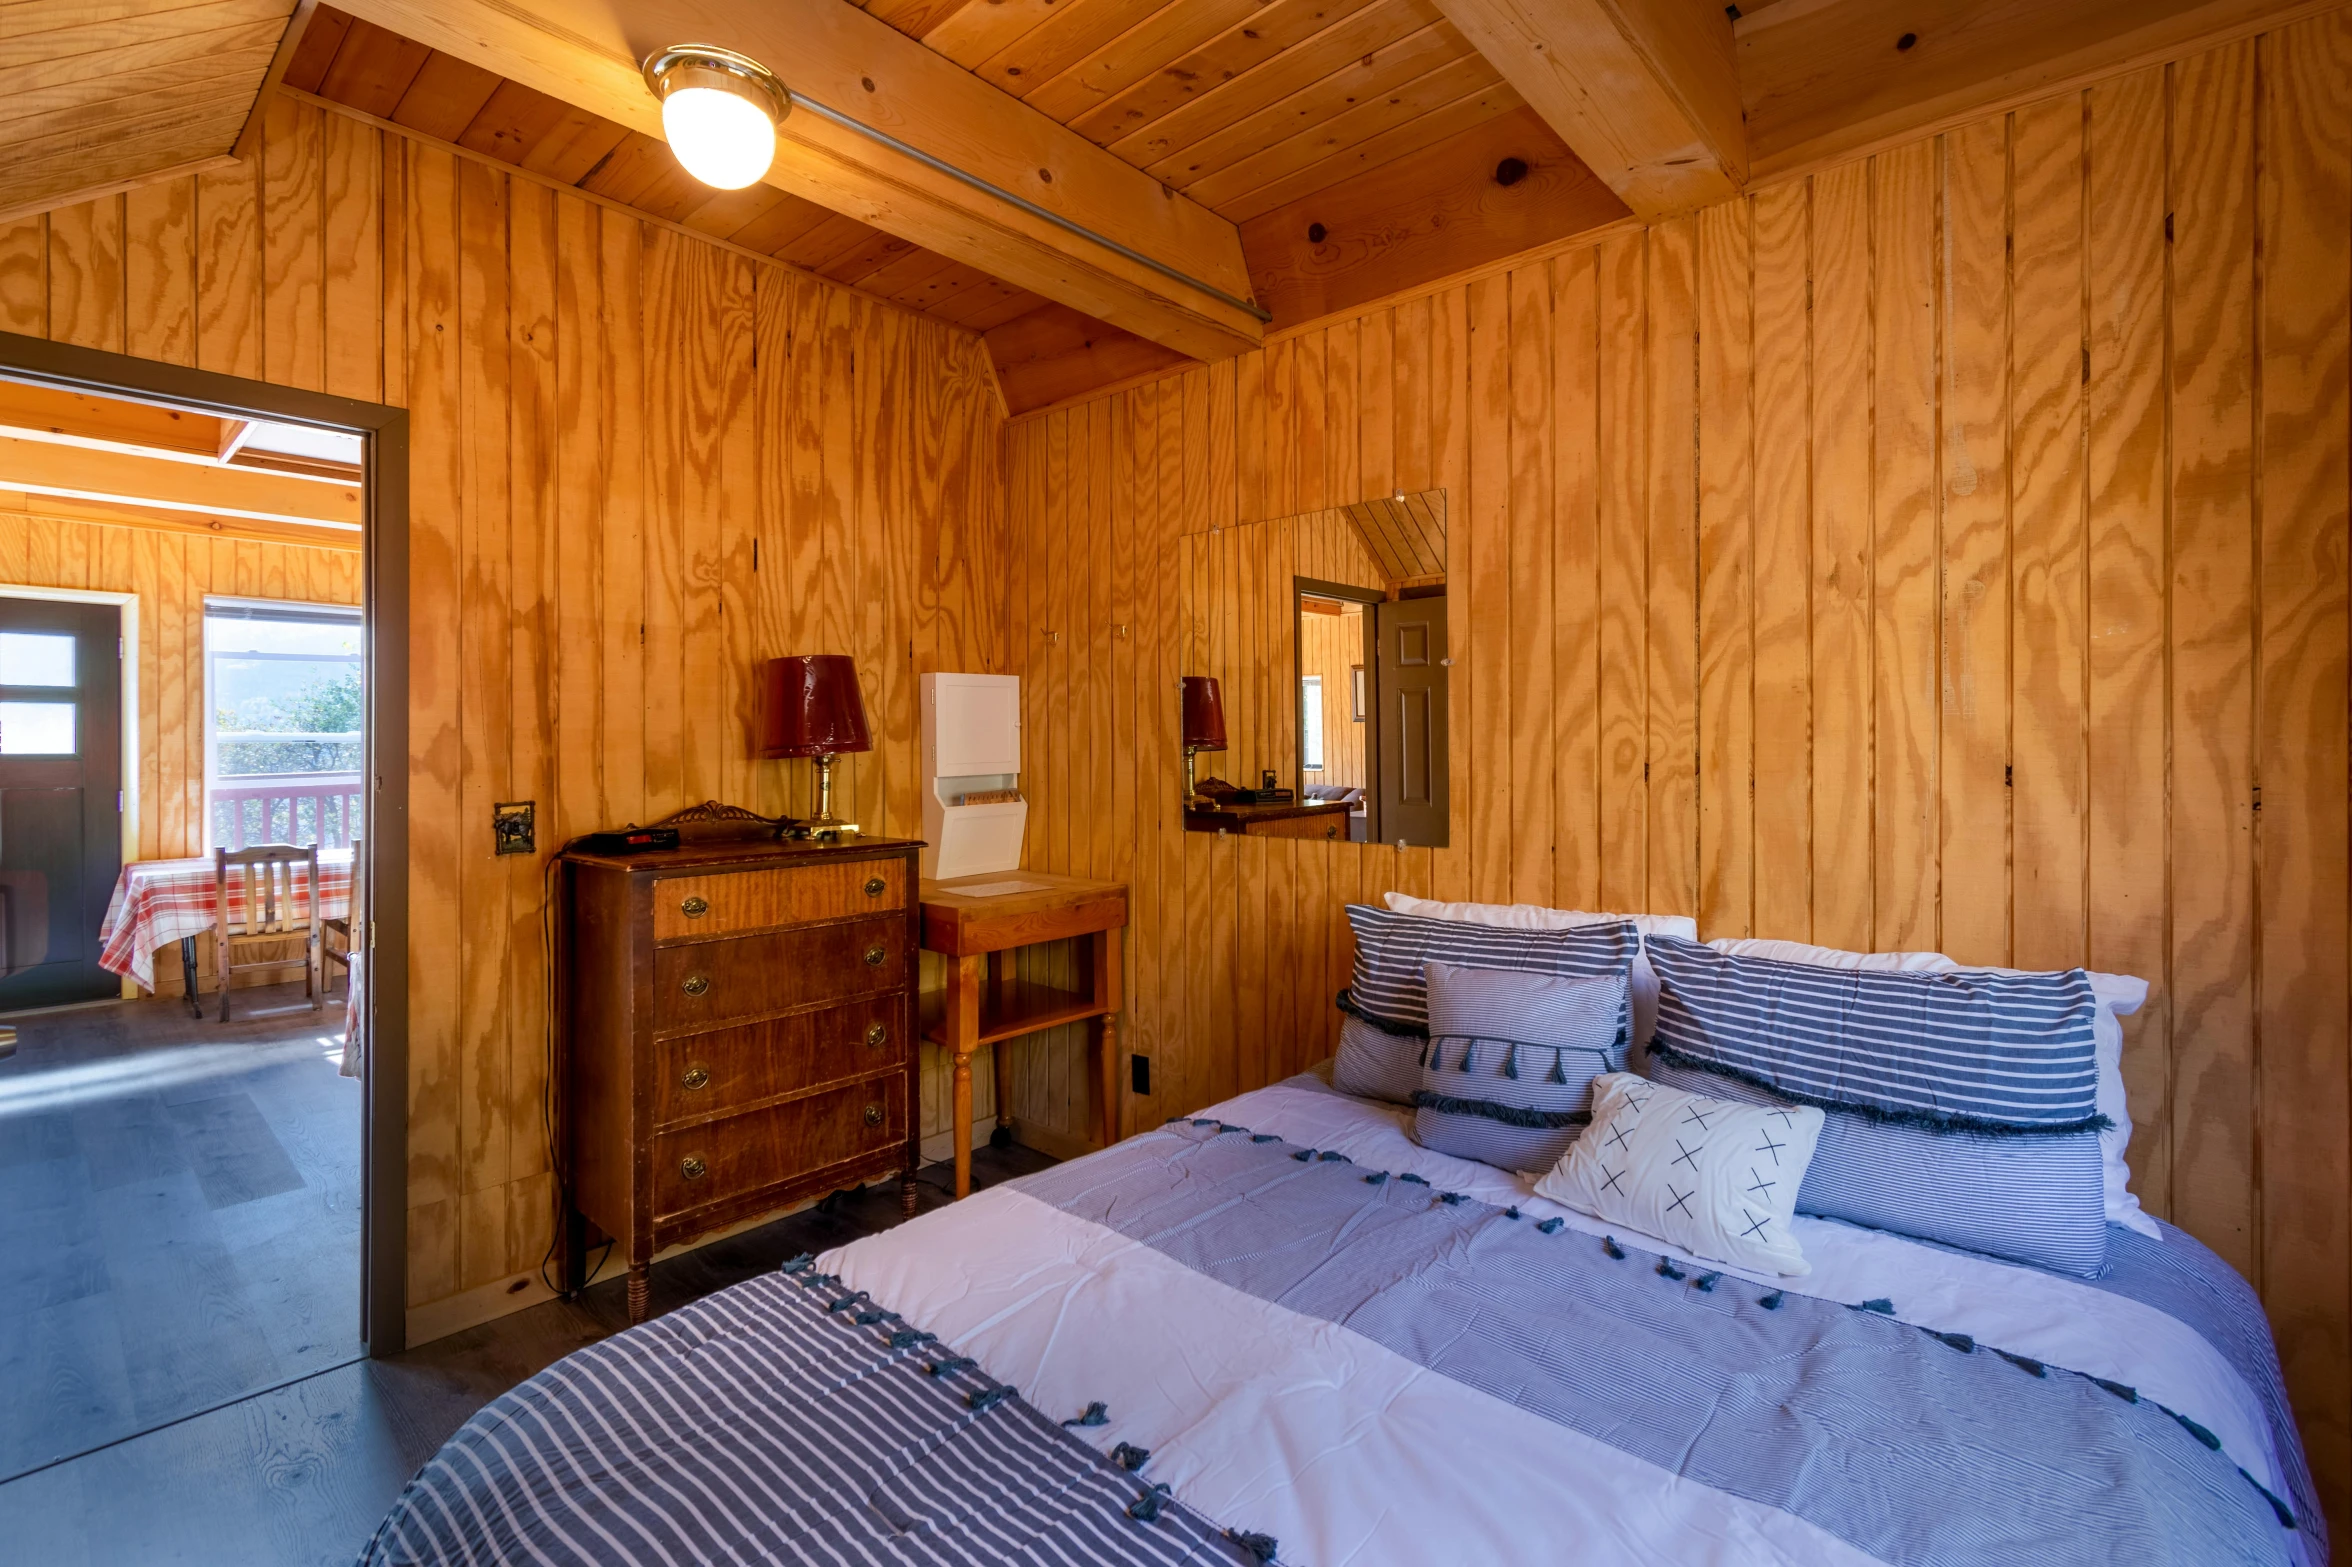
(1282, 1330)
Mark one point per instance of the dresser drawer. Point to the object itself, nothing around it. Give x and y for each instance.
(724, 1160)
(699, 985)
(727, 1068)
(690, 907)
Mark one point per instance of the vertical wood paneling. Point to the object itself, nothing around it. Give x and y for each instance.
(2305, 214)
(1976, 549)
(2214, 615)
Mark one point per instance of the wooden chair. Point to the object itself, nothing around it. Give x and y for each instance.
(266, 873)
(342, 924)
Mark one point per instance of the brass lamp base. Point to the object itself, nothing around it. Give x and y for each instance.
(825, 824)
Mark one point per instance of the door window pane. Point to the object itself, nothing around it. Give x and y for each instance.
(36, 729)
(36, 658)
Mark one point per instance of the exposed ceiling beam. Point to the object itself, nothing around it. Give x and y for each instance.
(852, 62)
(1499, 188)
(203, 525)
(1826, 79)
(1643, 90)
(170, 484)
(78, 418)
(1055, 355)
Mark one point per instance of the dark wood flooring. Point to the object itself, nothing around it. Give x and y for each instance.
(179, 1216)
(303, 1474)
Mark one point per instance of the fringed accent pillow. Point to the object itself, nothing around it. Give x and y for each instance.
(1716, 1178)
(1507, 1076)
(1962, 1105)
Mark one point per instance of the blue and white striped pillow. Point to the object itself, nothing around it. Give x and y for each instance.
(1391, 988)
(1387, 1002)
(1968, 1050)
(1507, 1079)
(1960, 1107)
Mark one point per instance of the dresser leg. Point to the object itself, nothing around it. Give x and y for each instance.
(640, 1285)
(906, 1193)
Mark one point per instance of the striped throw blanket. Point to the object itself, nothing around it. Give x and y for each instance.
(789, 1419)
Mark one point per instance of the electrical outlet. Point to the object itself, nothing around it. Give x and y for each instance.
(513, 824)
(1139, 1073)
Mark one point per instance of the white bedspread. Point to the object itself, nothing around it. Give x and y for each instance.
(1350, 1454)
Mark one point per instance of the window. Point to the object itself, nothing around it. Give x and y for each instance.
(1311, 722)
(285, 704)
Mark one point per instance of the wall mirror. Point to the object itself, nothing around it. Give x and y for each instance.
(1315, 663)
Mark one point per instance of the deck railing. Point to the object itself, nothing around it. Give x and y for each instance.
(296, 808)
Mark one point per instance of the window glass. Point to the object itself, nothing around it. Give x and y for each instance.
(286, 706)
(36, 658)
(36, 729)
(1311, 725)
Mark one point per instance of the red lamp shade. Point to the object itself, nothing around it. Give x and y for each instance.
(1204, 714)
(811, 707)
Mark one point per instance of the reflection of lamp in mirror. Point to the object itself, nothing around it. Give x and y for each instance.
(813, 709)
(1204, 725)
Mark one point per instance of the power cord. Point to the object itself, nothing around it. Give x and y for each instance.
(555, 1157)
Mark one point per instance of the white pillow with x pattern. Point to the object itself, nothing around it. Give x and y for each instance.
(1716, 1178)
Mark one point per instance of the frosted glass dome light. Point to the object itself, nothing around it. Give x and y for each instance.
(719, 112)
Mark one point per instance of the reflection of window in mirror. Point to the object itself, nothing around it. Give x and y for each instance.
(1311, 723)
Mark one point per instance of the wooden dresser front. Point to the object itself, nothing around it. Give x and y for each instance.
(738, 1027)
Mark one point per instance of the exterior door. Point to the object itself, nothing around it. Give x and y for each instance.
(60, 797)
(1410, 678)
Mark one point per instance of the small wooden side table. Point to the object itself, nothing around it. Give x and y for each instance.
(973, 921)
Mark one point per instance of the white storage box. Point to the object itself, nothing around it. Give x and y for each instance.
(971, 745)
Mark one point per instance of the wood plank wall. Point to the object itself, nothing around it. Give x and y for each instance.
(171, 573)
(639, 461)
(1944, 551)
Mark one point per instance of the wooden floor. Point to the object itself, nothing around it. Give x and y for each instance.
(179, 1216)
(304, 1473)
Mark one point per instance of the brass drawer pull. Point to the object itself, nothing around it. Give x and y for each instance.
(692, 1167)
(875, 1035)
(873, 1115)
(696, 1078)
(695, 984)
(876, 886)
(695, 907)
(875, 954)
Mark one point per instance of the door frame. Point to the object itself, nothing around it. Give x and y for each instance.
(383, 433)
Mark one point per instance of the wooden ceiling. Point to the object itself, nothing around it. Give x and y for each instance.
(1318, 153)
(98, 94)
(357, 63)
(1285, 102)
(1244, 105)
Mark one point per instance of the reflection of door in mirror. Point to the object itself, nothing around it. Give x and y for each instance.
(1410, 676)
(1333, 760)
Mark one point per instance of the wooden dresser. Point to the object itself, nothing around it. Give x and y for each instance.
(737, 1025)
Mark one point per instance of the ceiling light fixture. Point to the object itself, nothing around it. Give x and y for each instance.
(719, 111)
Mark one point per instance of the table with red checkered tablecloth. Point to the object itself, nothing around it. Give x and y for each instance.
(160, 901)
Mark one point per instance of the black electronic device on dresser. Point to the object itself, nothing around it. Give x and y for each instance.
(737, 1031)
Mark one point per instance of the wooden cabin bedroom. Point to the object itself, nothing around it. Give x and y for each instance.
(1303, 782)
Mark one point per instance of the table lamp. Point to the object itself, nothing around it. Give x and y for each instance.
(811, 708)
(1204, 725)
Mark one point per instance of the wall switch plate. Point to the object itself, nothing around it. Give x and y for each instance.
(1139, 1073)
(513, 824)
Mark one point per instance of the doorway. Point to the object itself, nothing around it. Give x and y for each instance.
(220, 1206)
(61, 797)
